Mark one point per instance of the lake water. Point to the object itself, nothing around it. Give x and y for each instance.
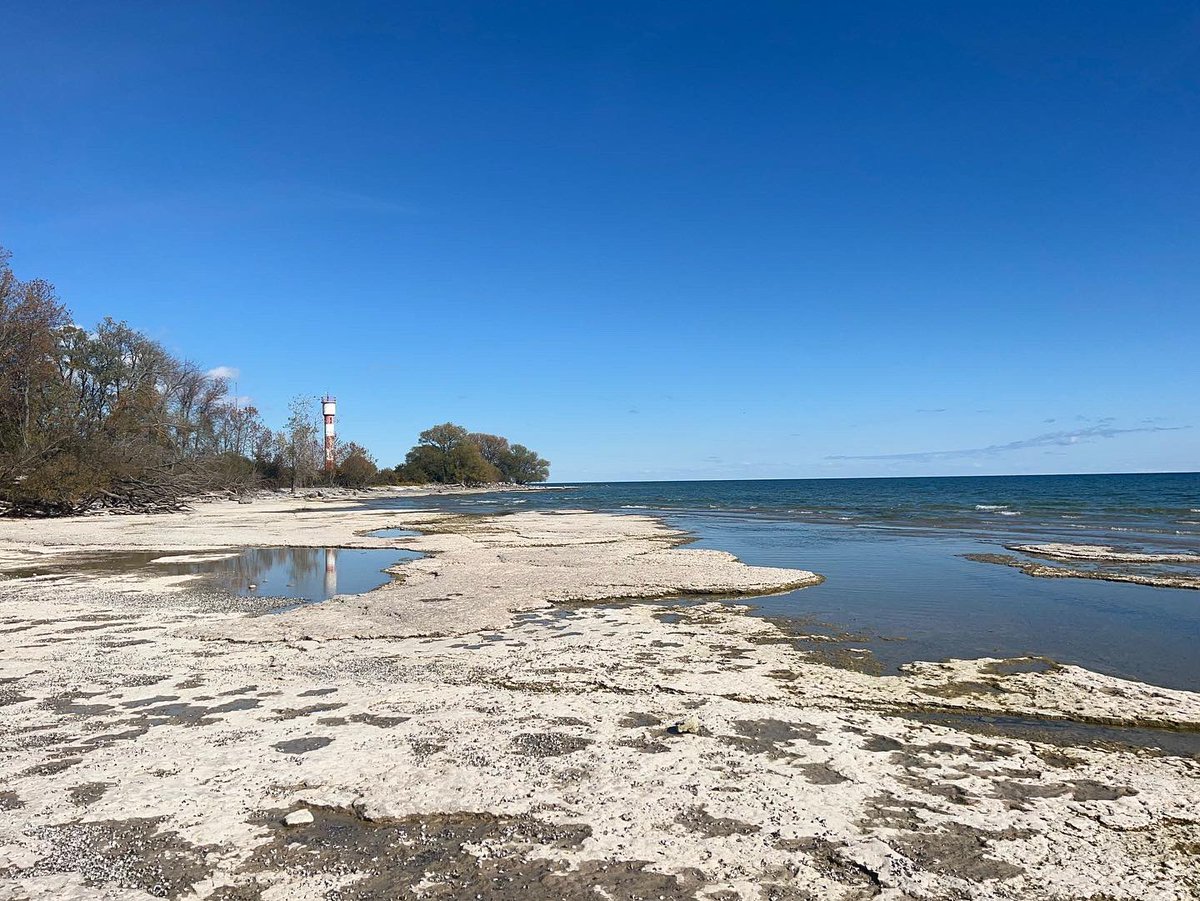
(896, 581)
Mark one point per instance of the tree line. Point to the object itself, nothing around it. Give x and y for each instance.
(450, 455)
(108, 417)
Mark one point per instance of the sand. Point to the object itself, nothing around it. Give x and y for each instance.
(496, 726)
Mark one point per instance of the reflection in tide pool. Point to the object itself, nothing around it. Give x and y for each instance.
(303, 573)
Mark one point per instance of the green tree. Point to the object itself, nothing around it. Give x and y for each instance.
(444, 453)
(515, 462)
(356, 466)
(524, 466)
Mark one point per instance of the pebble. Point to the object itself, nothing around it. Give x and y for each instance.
(298, 817)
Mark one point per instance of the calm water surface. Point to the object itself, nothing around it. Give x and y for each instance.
(890, 550)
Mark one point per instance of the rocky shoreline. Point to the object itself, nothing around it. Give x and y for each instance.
(1107, 564)
(462, 733)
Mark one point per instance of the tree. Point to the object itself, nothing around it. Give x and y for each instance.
(300, 442)
(492, 448)
(525, 466)
(449, 454)
(515, 462)
(445, 454)
(356, 467)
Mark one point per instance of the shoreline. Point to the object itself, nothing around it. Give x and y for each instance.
(675, 752)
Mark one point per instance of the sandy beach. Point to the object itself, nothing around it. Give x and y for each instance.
(523, 714)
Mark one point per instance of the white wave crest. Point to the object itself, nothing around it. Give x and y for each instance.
(991, 508)
(1009, 512)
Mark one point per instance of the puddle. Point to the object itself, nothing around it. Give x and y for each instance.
(301, 573)
(297, 573)
(393, 533)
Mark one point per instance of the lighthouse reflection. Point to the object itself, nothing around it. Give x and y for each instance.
(302, 573)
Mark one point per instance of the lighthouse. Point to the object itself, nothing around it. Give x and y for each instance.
(329, 410)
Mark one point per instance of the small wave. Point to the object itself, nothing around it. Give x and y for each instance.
(1009, 512)
(634, 507)
(991, 508)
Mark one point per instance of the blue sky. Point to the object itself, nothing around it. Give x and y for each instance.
(650, 240)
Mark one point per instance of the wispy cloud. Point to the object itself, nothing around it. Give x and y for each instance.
(933, 410)
(1048, 439)
(223, 372)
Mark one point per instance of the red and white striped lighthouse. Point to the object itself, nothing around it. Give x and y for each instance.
(329, 409)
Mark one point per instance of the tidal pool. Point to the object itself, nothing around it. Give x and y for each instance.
(393, 533)
(298, 573)
(301, 573)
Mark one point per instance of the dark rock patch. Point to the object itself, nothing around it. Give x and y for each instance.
(824, 857)
(645, 745)
(302, 745)
(184, 714)
(958, 850)
(881, 743)
(1089, 790)
(67, 704)
(639, 720)
(315, 692)
(381, 722)
(51, 767)
(698, 819)
(9, 696)
(291, 713)
(129, 854)
(887, 811)
(88, 793)
(821, 774)
(234, 692)
(10, 800)
(424, 749)
(548, 744)
(766, 736)
(433, 850)
(146, 702)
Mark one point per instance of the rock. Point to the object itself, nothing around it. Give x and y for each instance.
(690, 725)
(300, 817)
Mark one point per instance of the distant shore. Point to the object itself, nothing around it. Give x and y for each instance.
(498, 722)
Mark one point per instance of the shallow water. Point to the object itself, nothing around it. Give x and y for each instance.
(891, 553)
(393, 533)
(914, 597)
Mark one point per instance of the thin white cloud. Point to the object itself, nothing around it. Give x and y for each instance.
(1048, 439)
(223, 372)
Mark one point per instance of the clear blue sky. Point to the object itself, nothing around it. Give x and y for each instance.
(650, 240)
